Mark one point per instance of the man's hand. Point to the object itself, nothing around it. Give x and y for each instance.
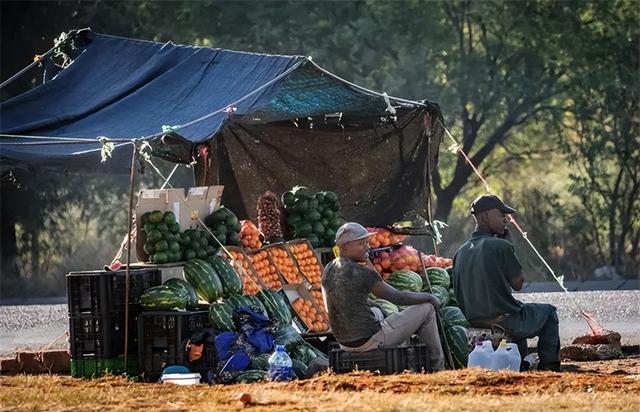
(385, 291)
(434, 301)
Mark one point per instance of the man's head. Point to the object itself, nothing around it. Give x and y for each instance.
(490, 213)
(353, 240)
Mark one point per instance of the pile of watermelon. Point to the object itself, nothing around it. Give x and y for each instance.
(225, 226)
(313, 216)
(214, 281)
(162, 242)
(454, 321)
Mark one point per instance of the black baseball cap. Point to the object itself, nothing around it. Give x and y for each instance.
(485, 203)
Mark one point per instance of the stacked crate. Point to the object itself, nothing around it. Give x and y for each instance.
(96, 302)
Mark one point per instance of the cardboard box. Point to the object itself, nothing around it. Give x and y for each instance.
(298, 274)
(294, 292)
(295, 258)
(198, 203)
(243, 268)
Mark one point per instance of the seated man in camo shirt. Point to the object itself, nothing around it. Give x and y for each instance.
(359, 325)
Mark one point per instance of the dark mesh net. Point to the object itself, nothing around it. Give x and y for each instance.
(379, 171)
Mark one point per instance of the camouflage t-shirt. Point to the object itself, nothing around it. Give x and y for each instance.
(346, 286)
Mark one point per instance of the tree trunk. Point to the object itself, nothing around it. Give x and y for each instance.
(8, 245)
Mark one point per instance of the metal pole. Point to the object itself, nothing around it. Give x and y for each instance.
(443, 339)
(132, 180)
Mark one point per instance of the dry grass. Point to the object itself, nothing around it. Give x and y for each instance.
(446, 391)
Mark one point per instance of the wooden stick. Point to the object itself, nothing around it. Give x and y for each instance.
(443, 339)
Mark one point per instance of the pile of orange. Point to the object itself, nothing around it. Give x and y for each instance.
(250, 235)
(309, 315)
(285, 264)
(242, 266)
(307, 262)
(265, 269)
(383, 237)
(317, 296)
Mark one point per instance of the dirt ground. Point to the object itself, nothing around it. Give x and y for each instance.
(583, 387)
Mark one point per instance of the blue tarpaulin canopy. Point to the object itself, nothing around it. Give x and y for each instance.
(253, 122)
(129, 89)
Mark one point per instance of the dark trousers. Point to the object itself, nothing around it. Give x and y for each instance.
(541, 320)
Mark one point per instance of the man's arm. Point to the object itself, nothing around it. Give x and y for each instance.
(387, 292)
(517, 282)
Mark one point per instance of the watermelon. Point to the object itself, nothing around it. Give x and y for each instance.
(387, 307)
(231, 282)
(299, 368)
(458, 340)
(439, 277)
(238, 301)
(442, 294)
(405, 280)
(452, 298)
(286, 335)
(303, 353)
(250, 376)
(180, 284)
(221, 316)
(204, 279)
(260, 362)
(452, 315)
(275, 305)
(164, 297)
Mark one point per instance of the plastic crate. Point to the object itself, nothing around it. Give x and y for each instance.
(103, 292)
(162, 339)
(414, 358)
(93, 368)
(101, 336)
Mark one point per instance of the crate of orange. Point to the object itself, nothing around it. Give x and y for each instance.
(316, 294)
(266, 269)
(251, 283)
(307, 260)
(285, 264)
(314, 318)
(383, 237)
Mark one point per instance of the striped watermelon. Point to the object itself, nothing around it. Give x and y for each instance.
(204, 279)
(260, 362)
(180, 284)
(164, 297)
(221, 316)
(299, 368)
(387, 307)
(275, 305)
(286, 335)
(452, 315)
(442, 294)
(439, 277)
(231, 282)
(238, 301)
(250, 376)
(458, 340)
(405, 280)
(452, 298)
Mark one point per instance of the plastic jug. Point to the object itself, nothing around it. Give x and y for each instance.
(280, 365)
(506, 357)
(481, 355)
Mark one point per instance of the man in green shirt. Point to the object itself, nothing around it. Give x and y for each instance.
(357, 324)
(486, 269)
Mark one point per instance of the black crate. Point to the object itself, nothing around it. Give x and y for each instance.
(162, 339)
(413, 358)
(101, 336)
(100, 292)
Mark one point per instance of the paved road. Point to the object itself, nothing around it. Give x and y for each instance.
(34, 326)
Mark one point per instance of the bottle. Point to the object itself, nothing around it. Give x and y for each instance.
(514, 357)
(481, 355)
(504, 358)
(280, 365)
